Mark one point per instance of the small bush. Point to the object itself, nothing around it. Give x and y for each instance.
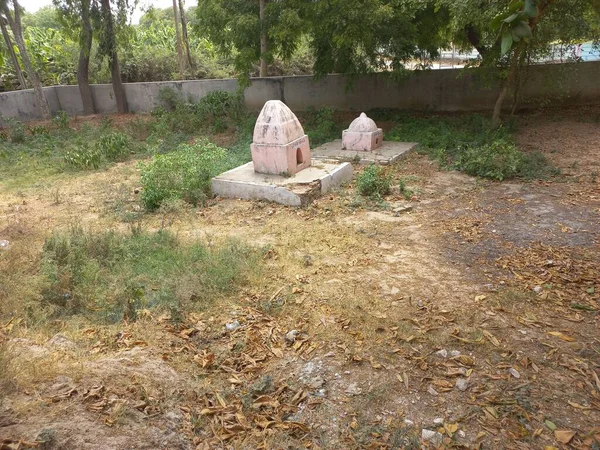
(497, 161)
(61, 120)
(183, 174)
(83, 158)
(320, 126)
(112, 276)
(39, 130)
(114, 146)
(374, 182)
(17, 130)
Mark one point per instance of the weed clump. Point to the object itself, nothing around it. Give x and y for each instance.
(111, 276)
(469, 143)
(374, 182)
(183, 174)
(320, 126)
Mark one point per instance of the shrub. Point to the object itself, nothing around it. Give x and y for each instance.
(61, 120)
(17, 130)
(183, 174)
(498, 161)
(83, 158)
(112, 276)
(320, 126)
(114, 146)
(374, 182)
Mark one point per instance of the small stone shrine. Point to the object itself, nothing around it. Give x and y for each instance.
(280, 146)
(281, 169)
(363, 143)
(363, 135)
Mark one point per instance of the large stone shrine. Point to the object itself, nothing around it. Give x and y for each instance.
(363, 143)
(279, 145)
(281, 169)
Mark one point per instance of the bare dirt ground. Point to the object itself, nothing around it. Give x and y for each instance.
(470, 321)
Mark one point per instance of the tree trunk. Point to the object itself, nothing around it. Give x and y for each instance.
(178, 36)
(264, 42)
(15, 26)
(113, 59)
(512, 73)
(184, 33)
(83, 68)
(13, 55)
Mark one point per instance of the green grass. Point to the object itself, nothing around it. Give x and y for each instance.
(109, 276)
(467, 142)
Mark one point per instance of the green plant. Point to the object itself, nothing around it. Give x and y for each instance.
(61, 120)
(17, 130)
(111, 276)
(374, 182)
(183, 174)
(83, 158)
(498, 161)
(405, 191)
(38, 130)
(114, 146)
(320, 125)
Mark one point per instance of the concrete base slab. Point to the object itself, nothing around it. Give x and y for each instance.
(388, 153)
(298, 190)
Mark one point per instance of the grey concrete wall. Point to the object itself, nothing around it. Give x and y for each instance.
(435, 90)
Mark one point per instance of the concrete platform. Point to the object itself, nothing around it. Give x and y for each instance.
(298, 190)
(388, 153)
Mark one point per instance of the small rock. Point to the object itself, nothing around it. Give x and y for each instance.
(443, 353)
(4, 244)
(308, 260)
(522, 331)
(137, 190)
(232, 326)
(316, 383)
(291, 336)
(353, 389)
(409, 423)
(538, 289)
(454, 353)
(402, 209)
(461, 434)
(61, 341)
(46, 438)
(462, 384)
(438, 421)
(432, 436)
(432, 391)
(514, 373)
(329, 355)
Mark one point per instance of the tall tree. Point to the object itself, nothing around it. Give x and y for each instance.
(108, 47)
(76, 15)
(14, 21)
(252, 32)
(13, 55)
(180, 59)
(264, 40)
(184, 34)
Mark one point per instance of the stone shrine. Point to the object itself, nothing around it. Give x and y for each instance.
(280, 146)
(362, 135)
(281, 169)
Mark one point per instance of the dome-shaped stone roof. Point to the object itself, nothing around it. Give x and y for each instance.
(277, 125)
(363, 124)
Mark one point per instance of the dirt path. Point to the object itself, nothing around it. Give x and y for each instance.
(470, 321)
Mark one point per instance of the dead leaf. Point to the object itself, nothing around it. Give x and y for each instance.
(491, 338)
(560, 335)
(564, 436)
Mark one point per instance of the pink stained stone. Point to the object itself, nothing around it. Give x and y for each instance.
(363, 135)
(280, 146)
